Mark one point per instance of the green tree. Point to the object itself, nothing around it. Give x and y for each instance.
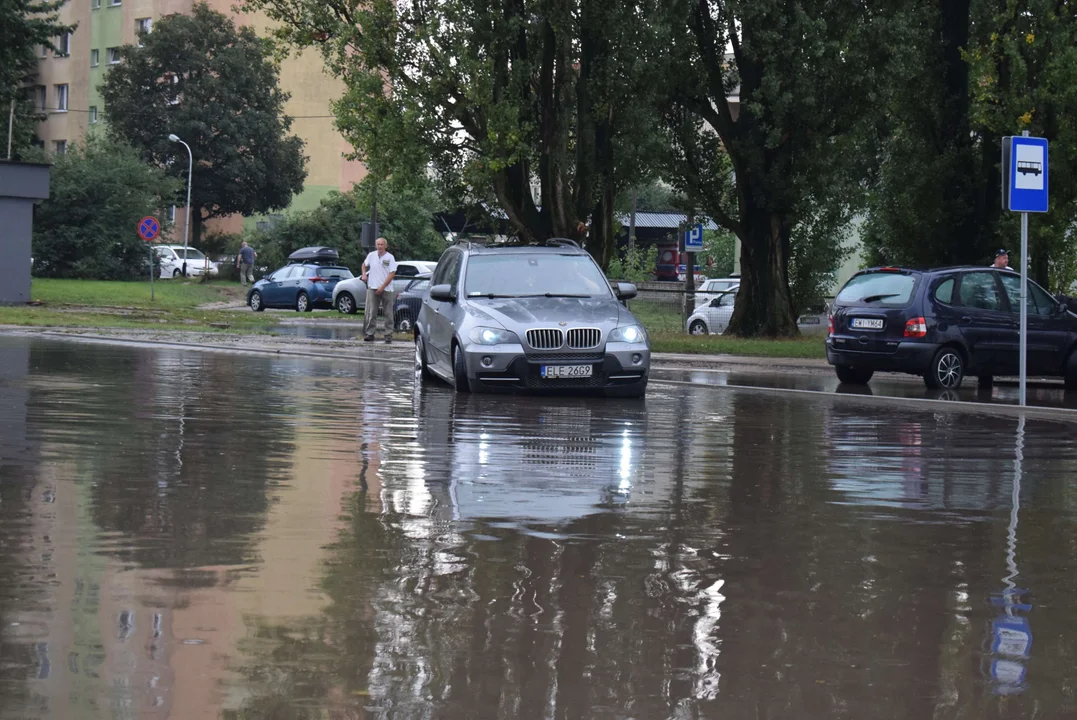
(87, 226)
(634, 264)
(986, 70)
(782, 121)
(406, 210)
(719, 252)
(217, 88)
(542, 105)
(25, 25)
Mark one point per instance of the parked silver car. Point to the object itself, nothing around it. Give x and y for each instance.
(535, 317)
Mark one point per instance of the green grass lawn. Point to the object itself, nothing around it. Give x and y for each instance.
(168, 294)
(123, 305)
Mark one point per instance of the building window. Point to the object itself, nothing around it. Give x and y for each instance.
(113, 55)
(42, 98)
(172, 214)
(95, 4)
(60, 146)
(61, 98)
(95, 58)
(93, 114)
(63, 45)
(143, 26)
(113, 3)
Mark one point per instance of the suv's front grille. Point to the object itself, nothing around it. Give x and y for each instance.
(591, 357)
(584, 338)
(548, 339)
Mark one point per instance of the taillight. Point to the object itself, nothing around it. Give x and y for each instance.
(830, 325)
(317, 279)
(916, 328)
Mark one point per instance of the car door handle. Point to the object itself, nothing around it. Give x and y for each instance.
(966, 320)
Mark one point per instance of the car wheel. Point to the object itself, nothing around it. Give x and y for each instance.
(947, 370)
(459, 370)
(698, 327)
(420, 358)
(403, 321)
(256, 302)
(302, 302)
(176, 273)
(1071, 372)
(850, 375)
(346, 303)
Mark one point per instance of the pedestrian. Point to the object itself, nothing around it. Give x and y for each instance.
(245, 261)
(1002, 260)
(379, 269)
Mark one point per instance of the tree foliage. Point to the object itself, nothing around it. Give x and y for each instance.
(25, 25)
(635, 264)
(217, 88)
(542, 104)
(782, 123)
(87, 227)
(405, 217)
(986, 70)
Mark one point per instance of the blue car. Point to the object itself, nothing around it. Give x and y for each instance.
(301, 286)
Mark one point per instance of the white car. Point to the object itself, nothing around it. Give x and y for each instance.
(350, 296)
(710, 289)
(171, 262)
(712, 317)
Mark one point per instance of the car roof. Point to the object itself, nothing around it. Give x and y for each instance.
(553, 246)
(933, 271)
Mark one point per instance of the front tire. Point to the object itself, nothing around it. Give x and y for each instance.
(1071, 373)
(256, 302)
(302, 303)
(176, 273)
(947, 370)
(459, 370)
(850, 375)
(420, 359)
(346, 304)
(698, 327)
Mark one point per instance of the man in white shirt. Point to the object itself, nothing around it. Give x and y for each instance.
(379, 269)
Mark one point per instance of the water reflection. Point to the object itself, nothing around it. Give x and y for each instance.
(186, 535)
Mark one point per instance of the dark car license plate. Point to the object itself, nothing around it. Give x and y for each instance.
(867, 323)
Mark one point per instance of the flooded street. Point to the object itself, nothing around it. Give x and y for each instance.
(186, 534)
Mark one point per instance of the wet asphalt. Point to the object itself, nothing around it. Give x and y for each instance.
(189, 534)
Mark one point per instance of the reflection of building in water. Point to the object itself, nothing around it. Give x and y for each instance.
(131, 623)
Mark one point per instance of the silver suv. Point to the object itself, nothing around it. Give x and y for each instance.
(533, 317)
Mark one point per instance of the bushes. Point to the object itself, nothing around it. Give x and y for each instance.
(87, 228)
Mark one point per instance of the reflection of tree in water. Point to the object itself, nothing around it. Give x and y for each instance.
(181, 450)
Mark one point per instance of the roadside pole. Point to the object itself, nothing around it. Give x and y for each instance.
(148, 229)
(693, 242)
(1024, 190)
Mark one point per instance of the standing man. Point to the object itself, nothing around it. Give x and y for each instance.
(1002, 260)
(379, 269)
(246, 263)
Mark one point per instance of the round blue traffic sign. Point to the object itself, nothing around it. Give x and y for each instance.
(149, 228)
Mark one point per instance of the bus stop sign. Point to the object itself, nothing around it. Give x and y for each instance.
(1024, 165)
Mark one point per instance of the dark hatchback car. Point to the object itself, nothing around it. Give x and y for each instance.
(408, 303)
(944, 324)
(305, 283)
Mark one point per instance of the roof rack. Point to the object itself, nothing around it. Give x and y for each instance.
(556, 242)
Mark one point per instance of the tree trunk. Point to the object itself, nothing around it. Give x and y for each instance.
(764, 304)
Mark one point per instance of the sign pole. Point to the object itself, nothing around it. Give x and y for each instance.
(1024, 308)
(150, 246)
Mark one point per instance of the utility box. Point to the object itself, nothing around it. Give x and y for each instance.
(21, 185)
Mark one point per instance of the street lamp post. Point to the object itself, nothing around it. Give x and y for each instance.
(190, 171)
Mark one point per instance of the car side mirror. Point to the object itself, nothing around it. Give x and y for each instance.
(626, 291)
(442, 292)
(1063, 306)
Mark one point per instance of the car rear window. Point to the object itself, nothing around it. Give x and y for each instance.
(334, 272)
(881, 287)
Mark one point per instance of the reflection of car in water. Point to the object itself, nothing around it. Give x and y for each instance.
(530, 460)
(1028, 167)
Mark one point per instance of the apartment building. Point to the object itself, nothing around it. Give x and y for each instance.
(68, 89)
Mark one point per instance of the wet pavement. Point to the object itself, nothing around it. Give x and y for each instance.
(188, 535)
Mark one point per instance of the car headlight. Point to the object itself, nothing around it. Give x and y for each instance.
(628, 334)
(492, 336)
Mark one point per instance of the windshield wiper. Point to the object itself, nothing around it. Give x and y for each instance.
(555, 295)
(876, 298)
(493, 296)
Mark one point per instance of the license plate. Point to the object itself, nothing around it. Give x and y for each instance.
(868, 323)
(566, 371)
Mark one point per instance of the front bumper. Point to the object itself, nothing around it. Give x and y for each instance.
(909, 357)
(619, 366)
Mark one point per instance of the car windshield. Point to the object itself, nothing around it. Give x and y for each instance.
(535, 275)
(193, 254)
(883, 287)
